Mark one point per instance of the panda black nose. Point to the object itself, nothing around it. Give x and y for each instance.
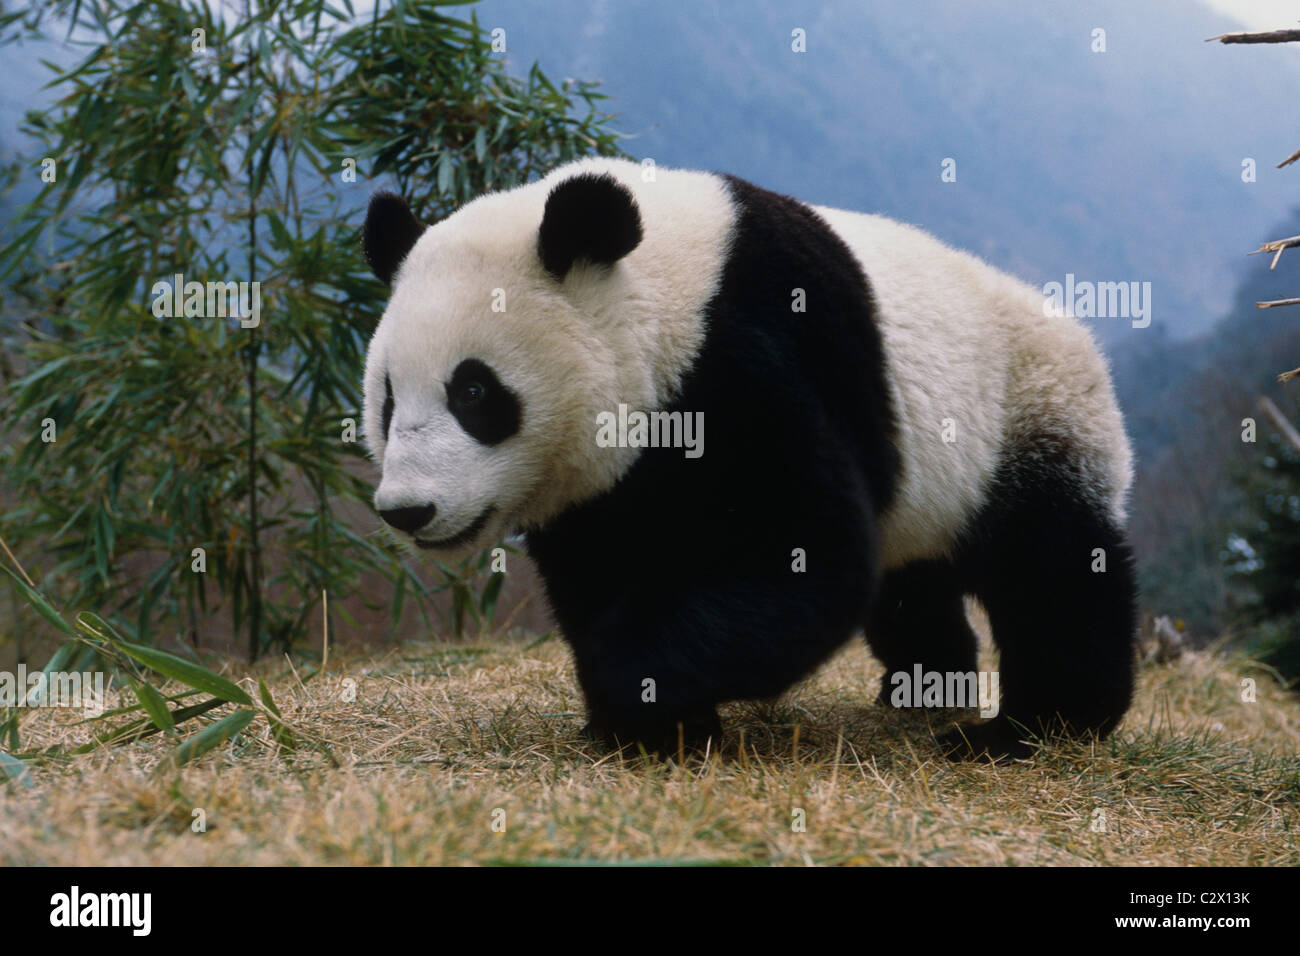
(409, 520)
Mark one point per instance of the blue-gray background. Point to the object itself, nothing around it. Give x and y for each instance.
(1117, 166)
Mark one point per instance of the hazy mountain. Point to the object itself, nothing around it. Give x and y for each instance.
(1185, 405)
(1123, 165)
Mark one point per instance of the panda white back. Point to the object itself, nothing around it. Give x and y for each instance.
(975, 367)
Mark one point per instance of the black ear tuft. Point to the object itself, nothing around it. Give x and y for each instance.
(390, 232)
(591, 216)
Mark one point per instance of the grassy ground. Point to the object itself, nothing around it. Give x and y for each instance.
(440, 739)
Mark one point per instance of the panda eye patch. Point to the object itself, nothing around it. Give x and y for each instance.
(487, 410)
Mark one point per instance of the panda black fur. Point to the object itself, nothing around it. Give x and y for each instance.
(825, 432)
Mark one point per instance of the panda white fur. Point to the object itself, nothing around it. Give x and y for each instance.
(900, 411)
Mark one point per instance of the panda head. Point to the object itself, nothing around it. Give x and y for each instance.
(511, 325)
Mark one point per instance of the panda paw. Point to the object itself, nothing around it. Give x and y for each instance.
(994, 742)
(694, 734)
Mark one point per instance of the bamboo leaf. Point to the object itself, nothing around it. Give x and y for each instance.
(211, 737)
(153, 704)
(169, 665)
(491, 592)
(140, 729)
(173, 163)
(16, 770)
(132, 708)
(36, 600)
(56, 664)
(278, 729)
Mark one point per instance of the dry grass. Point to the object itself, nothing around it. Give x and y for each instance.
(439, 737)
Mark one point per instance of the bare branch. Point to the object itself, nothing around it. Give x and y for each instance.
(1268, 36)
(1285, 427)
(1276, 246)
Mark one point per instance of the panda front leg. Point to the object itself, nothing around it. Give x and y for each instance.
(920, 619)
(654, 667)
(1058, 581)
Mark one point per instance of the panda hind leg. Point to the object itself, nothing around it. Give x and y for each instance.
(919, 618)
(1058, 581)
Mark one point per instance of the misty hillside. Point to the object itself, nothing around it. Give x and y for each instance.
(1123, 165)
(1184, 404)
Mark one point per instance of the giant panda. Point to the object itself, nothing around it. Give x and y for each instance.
(887, 425)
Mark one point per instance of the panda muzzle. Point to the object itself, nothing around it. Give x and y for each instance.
(465, 536)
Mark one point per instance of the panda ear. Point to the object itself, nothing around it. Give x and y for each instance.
(390, 232)
(590, 216)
